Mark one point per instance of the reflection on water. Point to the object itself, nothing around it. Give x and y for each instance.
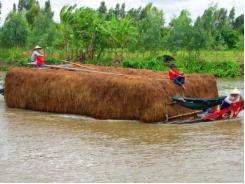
(46, 147)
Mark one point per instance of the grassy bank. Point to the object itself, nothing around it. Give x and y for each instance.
(217, 68)
(219, 63)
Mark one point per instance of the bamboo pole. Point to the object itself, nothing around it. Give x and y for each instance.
(88, 70)
(112, 73)
(79, 65)
(184, 115)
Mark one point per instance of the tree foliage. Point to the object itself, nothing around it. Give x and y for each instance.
(46, 37)
(239, 24)
(150, 27)
(25, 4)
(15, 30)
(121, 33)
(180, 33)
(90, 32)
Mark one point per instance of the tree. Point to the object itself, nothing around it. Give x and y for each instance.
(150, 24)
(67, 36)
(201, 39)
(232, 16)
(82, 26)
(231, 37)
(135, 14)
(239, 24)
(84, 32)
(198, 41)
(180, 33)
(46, 37)
(15, 30)
(121, 33)
(25, 4)
(240, 43)
(0, 10)
(47, 10)
(122, 12)
(32, 12)
(213, 21)
(119, 12)
(14, 7)
(102, 9)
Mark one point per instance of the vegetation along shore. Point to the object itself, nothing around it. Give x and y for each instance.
(134, 38)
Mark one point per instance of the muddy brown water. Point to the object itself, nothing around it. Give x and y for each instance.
(46, 147)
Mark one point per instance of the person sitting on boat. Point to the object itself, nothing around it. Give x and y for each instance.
(177, 77)
(234, 96)
(37, 57)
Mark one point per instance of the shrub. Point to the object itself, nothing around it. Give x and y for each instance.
(151, 64)
(217, 68)
(52, 60)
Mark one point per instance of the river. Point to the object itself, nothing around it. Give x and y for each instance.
(46, 147)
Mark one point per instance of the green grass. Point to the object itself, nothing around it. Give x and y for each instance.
(10, 55)
(218, 63)
(151, 64)
(217, 68)
(229, 55)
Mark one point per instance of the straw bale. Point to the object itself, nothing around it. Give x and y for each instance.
(139, 95)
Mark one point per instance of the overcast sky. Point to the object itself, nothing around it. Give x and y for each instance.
(171, 8)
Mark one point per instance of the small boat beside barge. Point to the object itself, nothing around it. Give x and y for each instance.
(229, 113)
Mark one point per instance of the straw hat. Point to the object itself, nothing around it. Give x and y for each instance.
(37, 47)
(235, 91)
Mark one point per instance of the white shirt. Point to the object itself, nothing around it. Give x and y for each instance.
(34, 55)
(231, 99)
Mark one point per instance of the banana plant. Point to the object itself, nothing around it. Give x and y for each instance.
(120, 32)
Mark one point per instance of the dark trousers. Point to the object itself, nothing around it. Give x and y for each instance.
(224, 105)
(180, 80)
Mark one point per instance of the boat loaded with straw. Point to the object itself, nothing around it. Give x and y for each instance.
(104, 92)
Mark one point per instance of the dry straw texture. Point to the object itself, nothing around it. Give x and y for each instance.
(139, 95)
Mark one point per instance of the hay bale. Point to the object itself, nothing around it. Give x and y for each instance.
(140, 95)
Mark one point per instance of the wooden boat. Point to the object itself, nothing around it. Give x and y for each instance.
(198, 103)
(196, 121)
(229, 113)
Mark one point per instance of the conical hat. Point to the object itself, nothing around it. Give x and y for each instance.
(37, 47)
(235, 91)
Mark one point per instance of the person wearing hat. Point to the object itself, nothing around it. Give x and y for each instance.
(36, 54)
(177, 77)
(234, 96)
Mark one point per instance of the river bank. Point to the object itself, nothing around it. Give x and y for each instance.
(227, 63)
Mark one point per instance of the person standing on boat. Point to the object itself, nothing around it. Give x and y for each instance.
(234, 96)
(37, 57)
(177, 77)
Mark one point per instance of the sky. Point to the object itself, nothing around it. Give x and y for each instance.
(171, 8)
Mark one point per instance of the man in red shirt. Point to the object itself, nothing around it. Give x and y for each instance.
(177, 77)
